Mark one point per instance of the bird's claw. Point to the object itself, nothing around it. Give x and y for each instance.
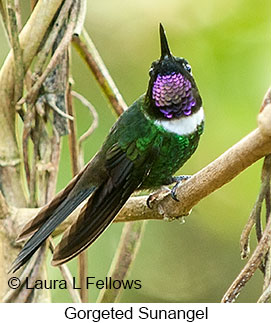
(178, 180)
(165, 190)
(149, 201)
(157, 195)
(173, 193)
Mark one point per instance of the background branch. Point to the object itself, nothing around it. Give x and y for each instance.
(128, 247)
(94, 61)
(90, 130)
(73, 147)
(251, 266)
(17, 51)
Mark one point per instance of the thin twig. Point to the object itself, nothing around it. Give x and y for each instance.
(44, 52)
(91, 56)
(72, 135)
(55, 157)
(267, 273)
(17, 52)
(258, 223)
(123, 259)
(25, 294)
(26, 134)
(251, 266)
(82, 258)
(265, 295)
(18, 14)
(33, 4)
(4, 17)
(24, 274)
(94, 113)
(44, 165)
(60, 112)
(266, 100)
(255, 214)
(30, 272)
(67, 276)
(267, 202)
(35, 158)
(83, 273)
(81, 17)
(90, 130)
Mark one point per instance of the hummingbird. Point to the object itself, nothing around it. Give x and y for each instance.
(146, 146)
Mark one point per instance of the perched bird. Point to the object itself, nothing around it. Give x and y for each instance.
(149, 142)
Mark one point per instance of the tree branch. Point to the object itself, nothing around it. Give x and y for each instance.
(94, 61)
(90, 130)
(128, 246)
(17, 51)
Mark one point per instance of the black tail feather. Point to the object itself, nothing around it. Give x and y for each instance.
(94, 218)
(57, 217)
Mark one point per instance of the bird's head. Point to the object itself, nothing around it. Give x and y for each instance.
(172, 92)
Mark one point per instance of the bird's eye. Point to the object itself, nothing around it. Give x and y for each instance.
(150, 70)
(188, 68)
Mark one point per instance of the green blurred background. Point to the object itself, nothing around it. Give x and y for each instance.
(228, 46)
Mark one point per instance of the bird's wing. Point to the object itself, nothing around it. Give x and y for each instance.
(48, 219)
(104, 204)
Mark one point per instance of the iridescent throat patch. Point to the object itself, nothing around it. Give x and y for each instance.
(172, 94)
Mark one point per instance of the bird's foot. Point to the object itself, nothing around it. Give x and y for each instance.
(163, 191)
(178, 180)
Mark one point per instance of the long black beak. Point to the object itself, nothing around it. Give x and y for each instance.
(165, 51)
